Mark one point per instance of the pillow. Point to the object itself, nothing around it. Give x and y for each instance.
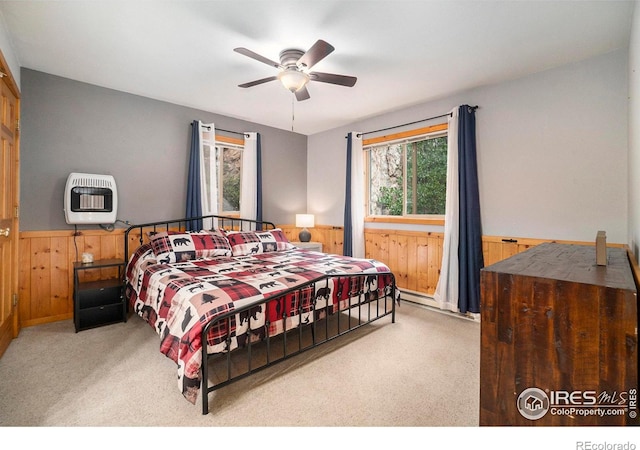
(142, 256)
(253, 242)
(175, 246)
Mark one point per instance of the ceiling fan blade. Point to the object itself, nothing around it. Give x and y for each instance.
(342, 80)
(302, 94)
(254, 55)
(316, 53)
(256, 82)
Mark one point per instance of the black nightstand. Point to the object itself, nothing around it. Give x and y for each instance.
(100, 302)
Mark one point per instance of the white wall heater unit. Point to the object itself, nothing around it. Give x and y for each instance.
(90, 199)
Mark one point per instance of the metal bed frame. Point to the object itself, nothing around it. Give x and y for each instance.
(356, 312)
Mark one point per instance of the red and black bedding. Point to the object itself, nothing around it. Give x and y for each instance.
(180, 281)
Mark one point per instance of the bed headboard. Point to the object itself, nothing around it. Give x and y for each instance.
(136, 235)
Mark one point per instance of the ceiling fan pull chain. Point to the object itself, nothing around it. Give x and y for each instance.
(292, 109)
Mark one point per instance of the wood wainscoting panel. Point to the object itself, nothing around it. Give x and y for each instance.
(45, 274)
(414, 257)
(45, 285)
(498, 248)
(329, 236)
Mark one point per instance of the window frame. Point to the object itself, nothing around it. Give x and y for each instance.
(408, 136)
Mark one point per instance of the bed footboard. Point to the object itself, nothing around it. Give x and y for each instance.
(327, 323)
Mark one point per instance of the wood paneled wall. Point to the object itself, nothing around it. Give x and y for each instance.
(45, 286)
(46, 261)
(331, 237)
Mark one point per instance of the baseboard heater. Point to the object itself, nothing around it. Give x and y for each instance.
(428, 301)
(417, 297)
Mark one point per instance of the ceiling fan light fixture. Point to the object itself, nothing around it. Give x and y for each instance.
(295, 66)
(293, 79)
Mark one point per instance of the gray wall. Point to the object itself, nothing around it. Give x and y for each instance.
(552, 153)
(68, 126)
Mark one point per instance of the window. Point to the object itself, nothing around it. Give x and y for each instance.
(409, 177)
(228, 169)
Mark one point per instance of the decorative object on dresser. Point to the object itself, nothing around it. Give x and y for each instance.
(243, 288)
(304, 221)
(601, 248)
(559, 342)
(98, 300)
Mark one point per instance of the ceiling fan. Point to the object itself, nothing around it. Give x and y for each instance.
(294, 68)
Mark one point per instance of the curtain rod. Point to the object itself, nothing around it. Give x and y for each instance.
(226, 131)
(410, 123)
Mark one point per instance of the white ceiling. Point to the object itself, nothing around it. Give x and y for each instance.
(402, 52)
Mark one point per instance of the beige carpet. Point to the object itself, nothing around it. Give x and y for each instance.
(422, 371)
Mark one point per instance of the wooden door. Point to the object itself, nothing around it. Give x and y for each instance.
(9, 170)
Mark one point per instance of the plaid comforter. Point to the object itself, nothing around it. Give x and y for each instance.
(178, 299)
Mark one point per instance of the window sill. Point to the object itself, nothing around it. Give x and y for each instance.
(408, 220)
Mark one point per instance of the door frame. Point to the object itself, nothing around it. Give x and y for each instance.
(11, 329)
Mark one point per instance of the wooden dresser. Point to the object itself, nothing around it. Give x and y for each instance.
(559, 339)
